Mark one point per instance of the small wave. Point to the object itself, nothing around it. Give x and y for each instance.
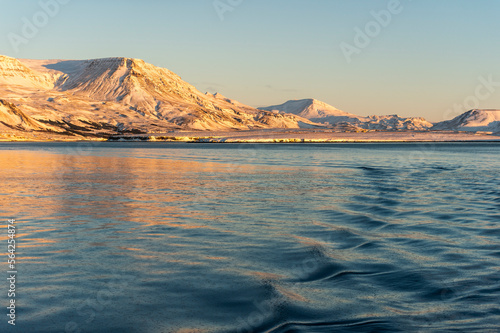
(320, 271)
(439, 167)
(338, 326)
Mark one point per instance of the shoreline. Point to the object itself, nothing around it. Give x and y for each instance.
(270, 136)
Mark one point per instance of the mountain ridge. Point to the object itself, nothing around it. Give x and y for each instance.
(309, 108)
(321, 112)
(119, 94)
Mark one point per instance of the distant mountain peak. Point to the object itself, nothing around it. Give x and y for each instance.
(317, 102)
(322, 112)
(309, 108)
(484, 120)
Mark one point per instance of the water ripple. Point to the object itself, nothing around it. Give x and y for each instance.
(257, 238)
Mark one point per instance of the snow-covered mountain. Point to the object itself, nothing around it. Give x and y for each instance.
(100, 97)
(321, 112)
(473, 120)
(313, 110)
(117, 95)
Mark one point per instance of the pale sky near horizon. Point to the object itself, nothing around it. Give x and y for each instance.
(425, 59)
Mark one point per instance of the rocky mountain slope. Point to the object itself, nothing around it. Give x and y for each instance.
(11, 116)
(117, 95)
(103, 97)
(321, 112)
(474, 121)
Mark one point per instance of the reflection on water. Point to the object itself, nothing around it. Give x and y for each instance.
(254, 238)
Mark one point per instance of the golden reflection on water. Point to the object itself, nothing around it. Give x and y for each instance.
(145, 179)
(54, 191)
(50, 190)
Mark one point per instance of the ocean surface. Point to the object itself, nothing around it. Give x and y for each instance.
(171, 237)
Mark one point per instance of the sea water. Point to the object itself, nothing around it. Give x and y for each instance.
(173, 237)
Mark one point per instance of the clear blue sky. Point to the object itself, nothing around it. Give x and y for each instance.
(426, 60)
